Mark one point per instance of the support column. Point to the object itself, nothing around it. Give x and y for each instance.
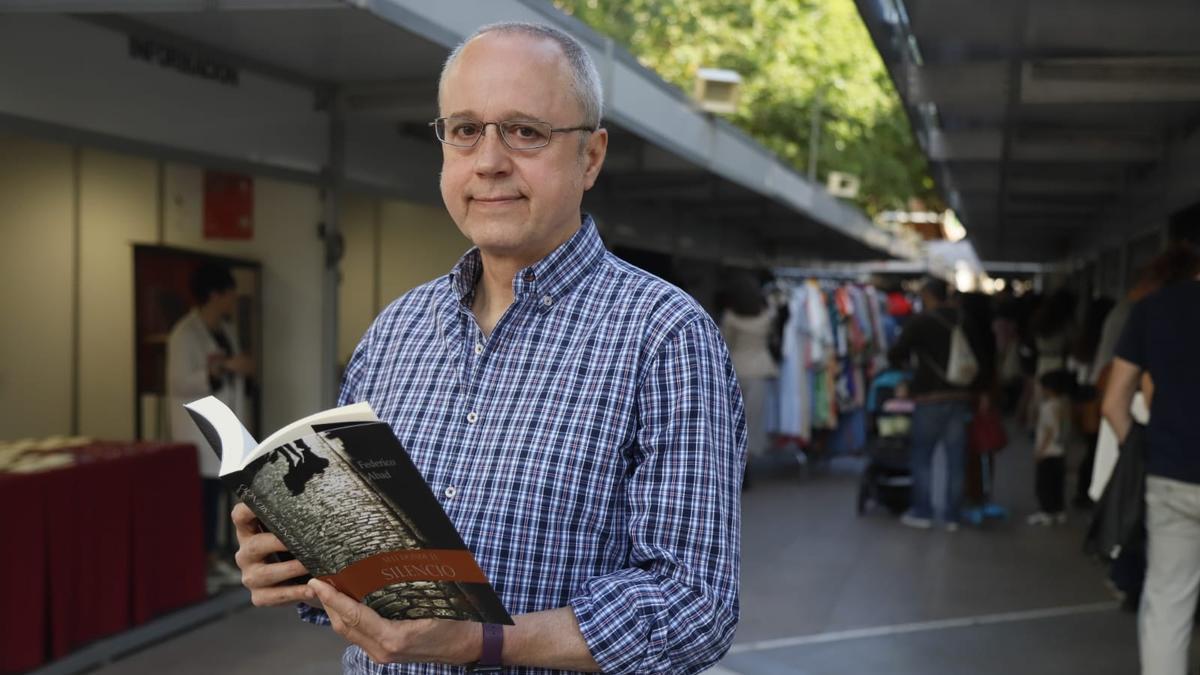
(329, 230)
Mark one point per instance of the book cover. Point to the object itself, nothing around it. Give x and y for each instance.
(343, 495)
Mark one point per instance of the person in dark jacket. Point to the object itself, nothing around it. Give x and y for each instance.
(942, 409)
(1162, 338)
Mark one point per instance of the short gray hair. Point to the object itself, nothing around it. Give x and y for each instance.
(585, 78)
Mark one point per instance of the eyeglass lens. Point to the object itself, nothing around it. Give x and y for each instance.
(519, 135)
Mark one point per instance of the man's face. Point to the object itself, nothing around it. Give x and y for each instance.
(226, 302)
(516, 204)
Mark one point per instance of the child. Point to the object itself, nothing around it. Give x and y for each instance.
(1053, 422)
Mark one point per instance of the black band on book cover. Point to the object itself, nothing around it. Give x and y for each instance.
(493, 646)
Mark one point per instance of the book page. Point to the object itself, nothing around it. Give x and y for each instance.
(237, 448)
(224, 431)
(348, 414)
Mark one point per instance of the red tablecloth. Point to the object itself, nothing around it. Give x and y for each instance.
(96, 548)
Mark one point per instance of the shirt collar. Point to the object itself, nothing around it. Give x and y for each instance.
(549, 279)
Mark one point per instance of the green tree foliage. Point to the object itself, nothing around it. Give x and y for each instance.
(792, 55)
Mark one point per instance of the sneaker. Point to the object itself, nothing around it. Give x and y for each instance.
(1117, 594)
(910, 520)
(1039, 518)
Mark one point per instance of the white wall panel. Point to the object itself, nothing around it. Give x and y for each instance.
(36, 279)
(118, 208)
(419, 243)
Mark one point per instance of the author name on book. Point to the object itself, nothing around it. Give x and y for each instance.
(375, 469)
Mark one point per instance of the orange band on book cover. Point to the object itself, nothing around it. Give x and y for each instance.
(384, 569)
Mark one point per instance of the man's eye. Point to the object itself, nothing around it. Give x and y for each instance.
(526, 132)
(464, 130)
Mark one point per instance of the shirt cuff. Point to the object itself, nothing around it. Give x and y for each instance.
(312, 615)
(617, 617)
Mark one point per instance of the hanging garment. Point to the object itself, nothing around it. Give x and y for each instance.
(792, 401)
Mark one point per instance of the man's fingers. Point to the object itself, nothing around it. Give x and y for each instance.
(272, 574)
(244, 521)
(281, 595)
(257, 547)
(354, 615)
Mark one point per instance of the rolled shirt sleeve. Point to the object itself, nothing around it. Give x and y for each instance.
(674, 608)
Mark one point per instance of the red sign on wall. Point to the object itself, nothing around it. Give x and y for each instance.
(228, 205)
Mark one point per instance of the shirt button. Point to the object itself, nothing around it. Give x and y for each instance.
(472, 417)
(547, 300)
(530, 277)
(451, 492)
(478, 349)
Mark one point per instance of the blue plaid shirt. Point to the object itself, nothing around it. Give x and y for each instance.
(589, 451)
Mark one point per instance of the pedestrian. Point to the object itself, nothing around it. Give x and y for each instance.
(1050, 447)
(747, 323)
(1162, 338)
(205, 359)
(942, 409)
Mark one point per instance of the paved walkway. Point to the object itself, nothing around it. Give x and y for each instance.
(824, 592)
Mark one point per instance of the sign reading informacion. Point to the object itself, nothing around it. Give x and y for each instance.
(182, 60)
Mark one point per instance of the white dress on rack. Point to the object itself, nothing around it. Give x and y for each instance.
(793, 403)
(752, 361)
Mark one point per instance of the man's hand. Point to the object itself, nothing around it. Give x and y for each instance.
(413, 641)
(216, 365)
(240, 364)
(266, 579)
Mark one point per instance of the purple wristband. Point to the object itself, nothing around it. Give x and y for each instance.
(493, 644)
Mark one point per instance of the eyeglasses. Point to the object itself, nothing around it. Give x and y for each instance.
(464, 132)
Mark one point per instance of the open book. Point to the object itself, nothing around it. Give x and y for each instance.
(345, 498)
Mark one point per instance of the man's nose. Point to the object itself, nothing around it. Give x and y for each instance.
(491, 154)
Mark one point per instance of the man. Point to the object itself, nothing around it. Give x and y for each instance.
(942, 409)
(203, 360)
(1162, 338)
(578, 418)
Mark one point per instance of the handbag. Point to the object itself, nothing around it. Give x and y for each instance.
(1120, 514)
(985, 434)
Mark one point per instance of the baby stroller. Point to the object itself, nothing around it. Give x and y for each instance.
(887, 480)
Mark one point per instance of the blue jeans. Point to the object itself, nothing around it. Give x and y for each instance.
(934, 422)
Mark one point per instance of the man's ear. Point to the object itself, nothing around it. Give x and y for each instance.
(593, 156)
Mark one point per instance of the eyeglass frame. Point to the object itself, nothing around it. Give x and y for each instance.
(500, 130)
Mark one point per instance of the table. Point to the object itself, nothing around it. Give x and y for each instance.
(98, 547)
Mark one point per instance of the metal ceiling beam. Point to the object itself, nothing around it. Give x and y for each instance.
(1110, 80)
(972, 83)
(1049, 81)
(1115, 150)
(984, 145)
(1099, 26)
(1068, 187)
(401, 101)
(1018, 27)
